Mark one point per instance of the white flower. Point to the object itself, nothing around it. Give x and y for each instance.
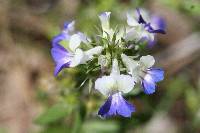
(105, 24)
(78, 56)
(105, 20)
(137, 30)
(138, 68)
(73, 55)
(115, 82)
(143, 72)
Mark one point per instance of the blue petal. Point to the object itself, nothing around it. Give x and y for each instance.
(104, 14)
(105, 107)
(148, 84)
(69, 27)
(60, 37)
(59, 53)
(61, 57)
(150, 29)
(126, 109)
(116, 105)
(158, 22)
(156, 73)
(151, 43)
(161, 31)
(59, 67)
(66, 24)
(58, 46)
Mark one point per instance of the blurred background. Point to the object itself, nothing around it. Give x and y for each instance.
(32, 100)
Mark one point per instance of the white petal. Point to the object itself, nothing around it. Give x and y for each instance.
(120, 35)
(78, 58)
(74, 42)
(125, 83)
(151, 37)
(132, 66)
(115, 68)
(129, 63)
(145, 15)
(132, 34)
(94, 51)
(148, 61)
(84, 38)
(147, 35)
(105, 85)
(131, 20)
(105, 18)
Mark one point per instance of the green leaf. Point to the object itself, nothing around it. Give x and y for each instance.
(77, 123)
(56, 129)
(95, 126)
(54, 113)
(192, 100)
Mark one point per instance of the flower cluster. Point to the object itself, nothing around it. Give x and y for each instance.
(117, 54)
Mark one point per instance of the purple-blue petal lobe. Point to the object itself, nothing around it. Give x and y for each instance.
(59, 67)
(150, 29)
(157, 74)
(158, 22)
(66, 24)
(105, 108)
(161, 31)
(148, 84)
(151, 43)
(61, 57)
(60, 47)
(59, 53)
(116, 105)
(60, 37)
(149, 81)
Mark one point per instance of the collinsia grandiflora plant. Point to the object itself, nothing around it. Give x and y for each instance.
(115, 54)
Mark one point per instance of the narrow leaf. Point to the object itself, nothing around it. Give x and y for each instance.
(54, 113)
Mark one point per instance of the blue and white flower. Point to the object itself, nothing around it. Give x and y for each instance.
(113, 86)
(143, 72)
(143, 28)
(72, 56)
(71, 48)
